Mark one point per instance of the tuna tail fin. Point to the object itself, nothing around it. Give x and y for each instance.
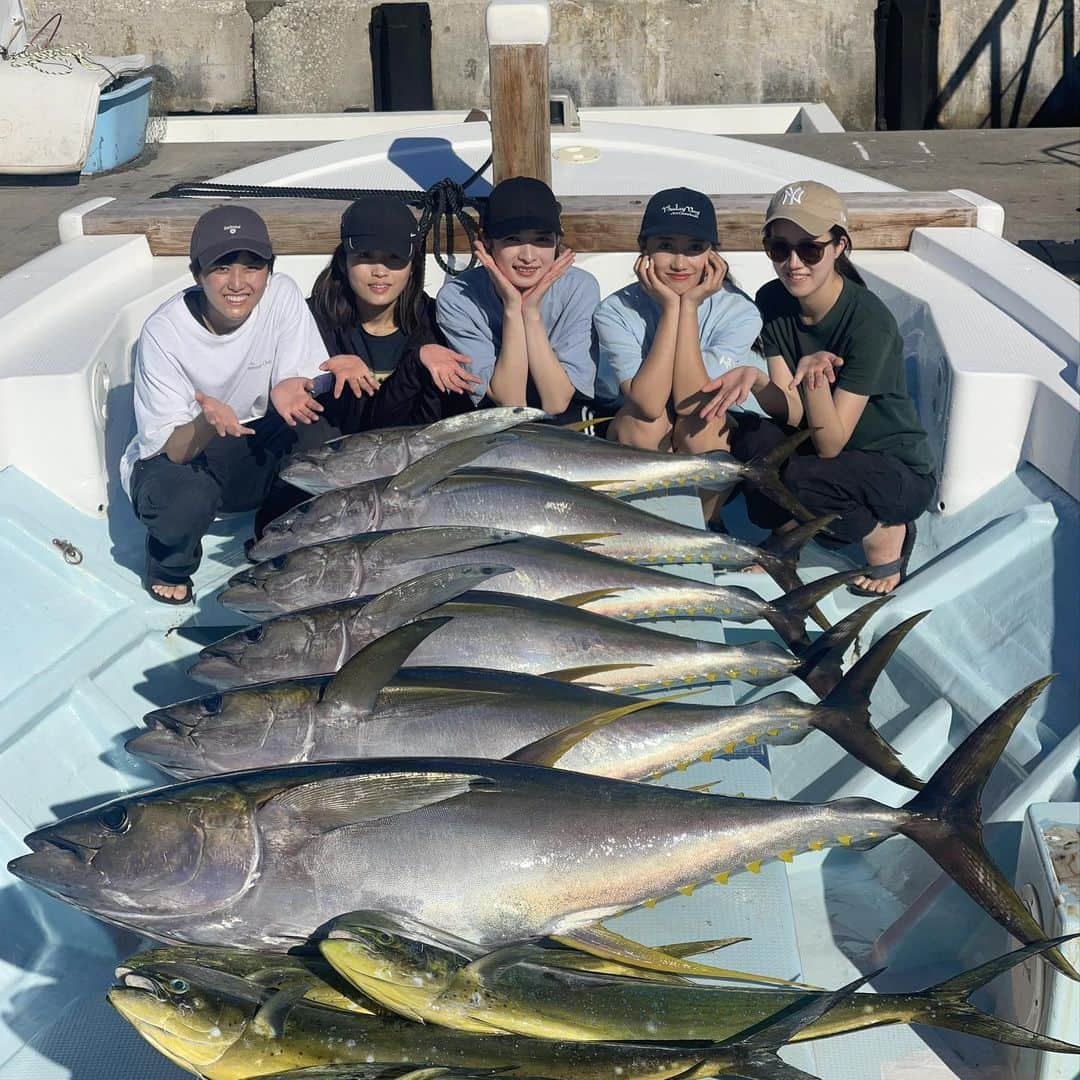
(753, 1053)
(763, 472)
(944, 820)
(787, 615)
(820, 668)
(845, 713)
(779, 558)
(945, 1005)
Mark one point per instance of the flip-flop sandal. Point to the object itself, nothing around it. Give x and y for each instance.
(172, 601)
(897, 566)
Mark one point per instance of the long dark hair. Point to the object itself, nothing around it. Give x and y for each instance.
(334, 302)
(844, 266)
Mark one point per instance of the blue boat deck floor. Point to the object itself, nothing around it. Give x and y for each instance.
(87, 653)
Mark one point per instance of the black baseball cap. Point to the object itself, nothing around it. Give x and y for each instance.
(679, 212)
(518, 204)
(229, 228)
(379, 223)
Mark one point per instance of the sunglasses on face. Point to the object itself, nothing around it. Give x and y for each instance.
(810, 252)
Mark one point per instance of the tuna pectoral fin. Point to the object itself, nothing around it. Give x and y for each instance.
(481, 422)
(549, 749)
(574, 674)
(787, 615)
(409, 545)
(763, 473)
(338, 802)
(585, 425)
(428, 471)
(753, 1053)
(945, 1005)
(821, 662)
(582, 539)
(419, 594)
(360, 679)
(597, 940)
(779, 557)
(944, 820)
(583, 599)
(845, 713)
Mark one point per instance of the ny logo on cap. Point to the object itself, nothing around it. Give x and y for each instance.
(792, 196)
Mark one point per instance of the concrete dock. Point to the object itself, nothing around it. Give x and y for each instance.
(1033, 172)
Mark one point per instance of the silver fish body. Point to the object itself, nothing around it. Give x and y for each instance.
(261, 859)
(456, 713)
(542, 568)
(526, 502)
(540, 448)
(509, 633)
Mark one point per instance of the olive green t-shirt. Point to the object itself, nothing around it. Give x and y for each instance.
(859, 329)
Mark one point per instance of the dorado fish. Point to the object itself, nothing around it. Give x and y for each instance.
(410, 969)
(430, 492)
(570, 455)
(512, 633)
(205, 1020)
(542, 568)
(495, 852)
(373, 709)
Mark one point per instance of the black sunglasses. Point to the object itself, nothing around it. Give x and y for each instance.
(809, 251)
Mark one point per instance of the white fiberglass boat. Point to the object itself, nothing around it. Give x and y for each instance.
(991, 340)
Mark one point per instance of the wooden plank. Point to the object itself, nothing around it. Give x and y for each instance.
(520, 116)
(878, 220)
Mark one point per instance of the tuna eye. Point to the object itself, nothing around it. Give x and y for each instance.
(115, 819)
(304, 508)
(254, 634)
(333, 447)
(178, 986)
(279, 562)
(211, 706)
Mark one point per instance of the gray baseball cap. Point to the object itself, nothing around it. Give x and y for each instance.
(229, 228)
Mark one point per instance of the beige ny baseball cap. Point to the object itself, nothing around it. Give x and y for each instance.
(808, 204)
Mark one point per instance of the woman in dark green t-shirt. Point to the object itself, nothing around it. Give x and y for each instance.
(836, 365)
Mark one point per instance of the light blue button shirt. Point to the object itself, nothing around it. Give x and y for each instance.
(470, 314)
(626, 323)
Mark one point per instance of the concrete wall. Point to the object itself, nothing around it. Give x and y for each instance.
(999, 59)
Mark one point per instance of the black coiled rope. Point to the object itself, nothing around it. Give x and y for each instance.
(440, 205)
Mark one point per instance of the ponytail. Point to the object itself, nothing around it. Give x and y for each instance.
(844, 266)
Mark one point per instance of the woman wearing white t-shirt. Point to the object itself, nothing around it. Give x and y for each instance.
(217, 369)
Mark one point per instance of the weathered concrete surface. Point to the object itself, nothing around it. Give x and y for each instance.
(1031, 172)
(200, 49)
(1000, 60)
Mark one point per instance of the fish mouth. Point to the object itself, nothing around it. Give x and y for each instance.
(306, 474)
(217, 669)
(58, 869)
(248, 598)
(274, 542)
(159, 748)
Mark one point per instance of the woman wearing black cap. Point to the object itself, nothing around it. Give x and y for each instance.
(376, 319)
(836, 365)
(524, 315)
(681, 323)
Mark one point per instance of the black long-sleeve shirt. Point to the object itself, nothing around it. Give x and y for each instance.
(407, 395)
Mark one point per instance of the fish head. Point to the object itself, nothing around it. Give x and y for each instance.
(221, 732)
(280, 584)
(395, 959)
(271, 650)
(369, 455)
(142, 860)
(333, 516)
(192, 1014)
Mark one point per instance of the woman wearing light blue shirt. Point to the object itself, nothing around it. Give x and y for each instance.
(679, 325)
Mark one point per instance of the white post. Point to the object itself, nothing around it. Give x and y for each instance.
(518, 32)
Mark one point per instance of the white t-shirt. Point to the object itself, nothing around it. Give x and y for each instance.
(177, 356)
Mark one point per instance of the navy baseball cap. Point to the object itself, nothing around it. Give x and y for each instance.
(679, 212)
(379, 223)
(226, 229)
(518, 204)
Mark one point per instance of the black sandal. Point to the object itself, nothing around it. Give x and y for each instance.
(897, 566)
(172, 601)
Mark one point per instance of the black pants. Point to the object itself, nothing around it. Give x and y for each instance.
(178, 503)
(865, 488)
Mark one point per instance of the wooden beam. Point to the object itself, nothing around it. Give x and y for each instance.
(520, 115)
(881, 220)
